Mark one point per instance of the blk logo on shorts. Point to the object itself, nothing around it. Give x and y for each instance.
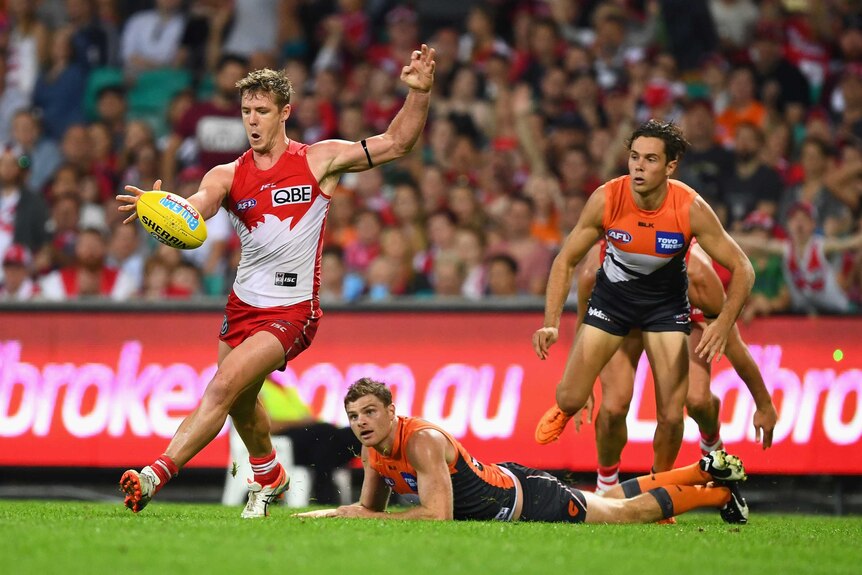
(285, 279)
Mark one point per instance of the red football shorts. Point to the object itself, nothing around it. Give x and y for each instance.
(293, 325)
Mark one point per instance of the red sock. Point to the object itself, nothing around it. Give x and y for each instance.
(608, 476)
(710, 442)
(165, 468)
(266, 469)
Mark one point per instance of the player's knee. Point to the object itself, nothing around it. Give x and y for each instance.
(670, 417)
(220, 393)
(613, 412)
(569, 400)
(702, 404)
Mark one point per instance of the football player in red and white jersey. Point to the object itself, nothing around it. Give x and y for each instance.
(277, 194)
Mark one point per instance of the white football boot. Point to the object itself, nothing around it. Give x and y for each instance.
(260, 497)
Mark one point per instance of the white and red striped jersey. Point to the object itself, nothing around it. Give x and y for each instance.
(811, 279)
(280, 215)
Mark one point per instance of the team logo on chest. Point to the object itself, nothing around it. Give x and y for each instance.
(291, 195)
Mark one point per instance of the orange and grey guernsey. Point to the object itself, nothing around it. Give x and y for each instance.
(480, 491)
(646, 250)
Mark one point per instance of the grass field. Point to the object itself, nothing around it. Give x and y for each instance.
(94, 538)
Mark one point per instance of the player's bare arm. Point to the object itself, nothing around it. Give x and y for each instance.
(720, 246)
(585, 234)
(427, 453)
(765, 416)
(214, 188)
(330, 158)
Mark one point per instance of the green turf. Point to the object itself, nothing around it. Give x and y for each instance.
(94, 538)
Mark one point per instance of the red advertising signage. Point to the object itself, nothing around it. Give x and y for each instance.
(110, 388)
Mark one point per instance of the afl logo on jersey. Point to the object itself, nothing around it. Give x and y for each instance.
(291, 195)
(244, 205)
(619, 236)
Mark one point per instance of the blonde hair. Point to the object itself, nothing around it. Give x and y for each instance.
(267, 81)
(367, 386)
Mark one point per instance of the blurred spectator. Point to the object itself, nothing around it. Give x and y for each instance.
(125, 251)
(465, 206)
(440, 230)
(157, 276)
(359, 253)
(502, 276)
(336, 284)
(89, 276)
(91, 40)
(752, 185)
(480, 42)
(16, 283)
(12, 100)
(42, 153)
(742, 107)
(151, 38)
(706, 166)
(547, 199)
(734, 22)
(22, 214)
(402, 34)
(380, 280)
(689, 31)
(470, 249)
(215, 126)
(395, 248)
(59, 93)
(253, 28)
(816, 162)
(185, 281)
(811, 280)
(203, 36)
(532, 257)
(448, 276)
(781, 86)
(28, 46)
(63, 227)
(111, 109)
(769, 295)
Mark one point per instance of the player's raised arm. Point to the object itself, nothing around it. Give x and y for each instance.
(579, 241)
(720, 246)
(333, 157)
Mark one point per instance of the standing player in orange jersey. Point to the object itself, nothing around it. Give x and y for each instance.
(618, 376)
(649, 221)
(277, 194)
(412, 456)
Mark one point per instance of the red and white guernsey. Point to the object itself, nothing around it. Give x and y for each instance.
(279, 214)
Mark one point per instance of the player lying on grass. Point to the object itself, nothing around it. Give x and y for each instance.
(413, 456)
(706, 294)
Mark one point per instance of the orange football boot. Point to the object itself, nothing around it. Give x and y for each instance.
(551, 425)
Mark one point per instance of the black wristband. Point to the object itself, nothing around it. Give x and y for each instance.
(367, 155)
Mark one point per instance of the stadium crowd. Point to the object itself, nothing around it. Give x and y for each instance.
(532, 104)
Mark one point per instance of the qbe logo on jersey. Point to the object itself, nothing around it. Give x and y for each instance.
(667, 243)
(291, 195)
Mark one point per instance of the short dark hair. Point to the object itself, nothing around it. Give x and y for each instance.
(367, 386)
(675, 144)
(505, 259)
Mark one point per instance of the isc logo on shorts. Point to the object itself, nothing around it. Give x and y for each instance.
(291, 195)
(284, 279)
(669, 242)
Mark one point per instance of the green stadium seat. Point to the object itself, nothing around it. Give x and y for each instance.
(152, 93)
(100, 78)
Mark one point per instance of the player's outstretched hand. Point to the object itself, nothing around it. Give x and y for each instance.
(318, 513)
(713, 341)
(129, 203)
(419, 73)
(764, 420)
(543, 339)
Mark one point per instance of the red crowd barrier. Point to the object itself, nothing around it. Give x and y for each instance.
(109, 388)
